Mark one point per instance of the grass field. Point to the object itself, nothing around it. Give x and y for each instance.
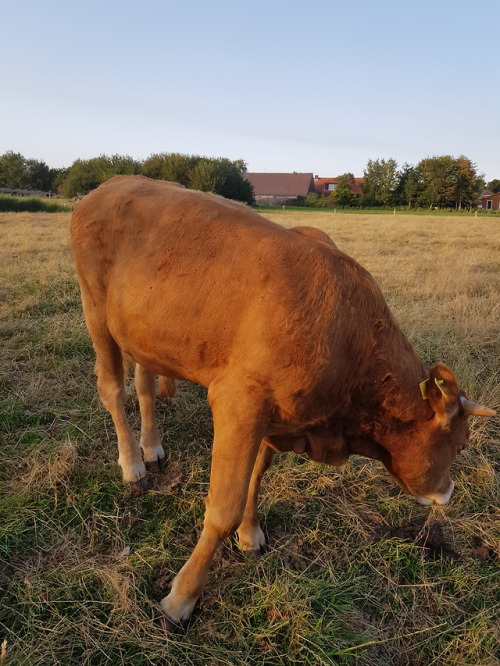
(404, 212)
(357, 572)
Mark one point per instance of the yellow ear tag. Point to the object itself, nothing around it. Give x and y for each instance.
(423, 387)
(439, 383)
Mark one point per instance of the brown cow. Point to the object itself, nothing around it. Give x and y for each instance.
(292, 337)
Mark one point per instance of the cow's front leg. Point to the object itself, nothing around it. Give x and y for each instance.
(250, 535)
(238, 429)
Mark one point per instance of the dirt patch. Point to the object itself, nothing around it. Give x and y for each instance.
(163, 483)
(299, 555)
(482, 551)
(161, 579)
(430, 537)
(426, 535)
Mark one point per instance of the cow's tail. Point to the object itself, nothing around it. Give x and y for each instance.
(166, 387)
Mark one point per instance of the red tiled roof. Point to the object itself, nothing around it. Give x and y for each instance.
(281, 184)
(319, 185)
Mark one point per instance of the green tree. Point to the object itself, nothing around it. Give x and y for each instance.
(13, 170)
(241, 166)
(123, 164)
(38, 175)
(217, 175)
(468, 183)
(221, 176)
(170, 166)
(17, 172)
(448, 182)
(408, 187)
(494, 185)
(312, 200)
(81, 177)
(57, 177)
(343, 195)
(437, 175)
(208, 176)
(381, 179)
(85, 175)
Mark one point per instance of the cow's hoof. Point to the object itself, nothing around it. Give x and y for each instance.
(172, 627)
(261, 550)
(255, 554)
(156, 466)
(140, 486)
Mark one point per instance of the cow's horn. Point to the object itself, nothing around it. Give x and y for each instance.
(472, 409)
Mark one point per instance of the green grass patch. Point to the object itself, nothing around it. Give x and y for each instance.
(381, 211)
(10, 204)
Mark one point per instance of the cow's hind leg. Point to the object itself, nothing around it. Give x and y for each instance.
(238, 430)
(154, 455)
(250, 535)
(111, 387)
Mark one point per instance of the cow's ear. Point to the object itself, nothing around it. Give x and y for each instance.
(442, 393)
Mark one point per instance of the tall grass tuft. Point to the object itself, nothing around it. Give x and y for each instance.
(10, 204)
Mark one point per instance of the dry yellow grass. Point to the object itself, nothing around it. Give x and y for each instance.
(31, 255)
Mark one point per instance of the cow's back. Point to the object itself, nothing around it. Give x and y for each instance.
(191, 285)
(161, 225)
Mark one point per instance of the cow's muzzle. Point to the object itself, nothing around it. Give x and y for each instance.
(438, 498)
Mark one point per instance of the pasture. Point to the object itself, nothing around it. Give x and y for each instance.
(356, 572)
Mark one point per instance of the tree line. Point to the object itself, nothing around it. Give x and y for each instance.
(18, 172)
(218, 175)
(435, 182)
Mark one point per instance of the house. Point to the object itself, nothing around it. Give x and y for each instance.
(327, 185)
(489, 200)
(271, 189)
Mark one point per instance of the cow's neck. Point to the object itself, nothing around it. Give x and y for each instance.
(390, 401)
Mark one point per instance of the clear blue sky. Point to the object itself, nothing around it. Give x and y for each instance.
(285, 85)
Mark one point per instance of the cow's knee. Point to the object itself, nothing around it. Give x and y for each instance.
(221, 522)
(110, 394)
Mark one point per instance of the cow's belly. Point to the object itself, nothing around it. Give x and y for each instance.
(164, 348)
(187, 328)
(199, 327)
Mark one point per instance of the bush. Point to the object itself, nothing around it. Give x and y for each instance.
(85, 175)
(9, 204)
(311, 200)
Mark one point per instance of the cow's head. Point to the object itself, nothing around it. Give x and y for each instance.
(422, 460)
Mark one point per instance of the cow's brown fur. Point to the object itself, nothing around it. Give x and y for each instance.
(292, 337)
